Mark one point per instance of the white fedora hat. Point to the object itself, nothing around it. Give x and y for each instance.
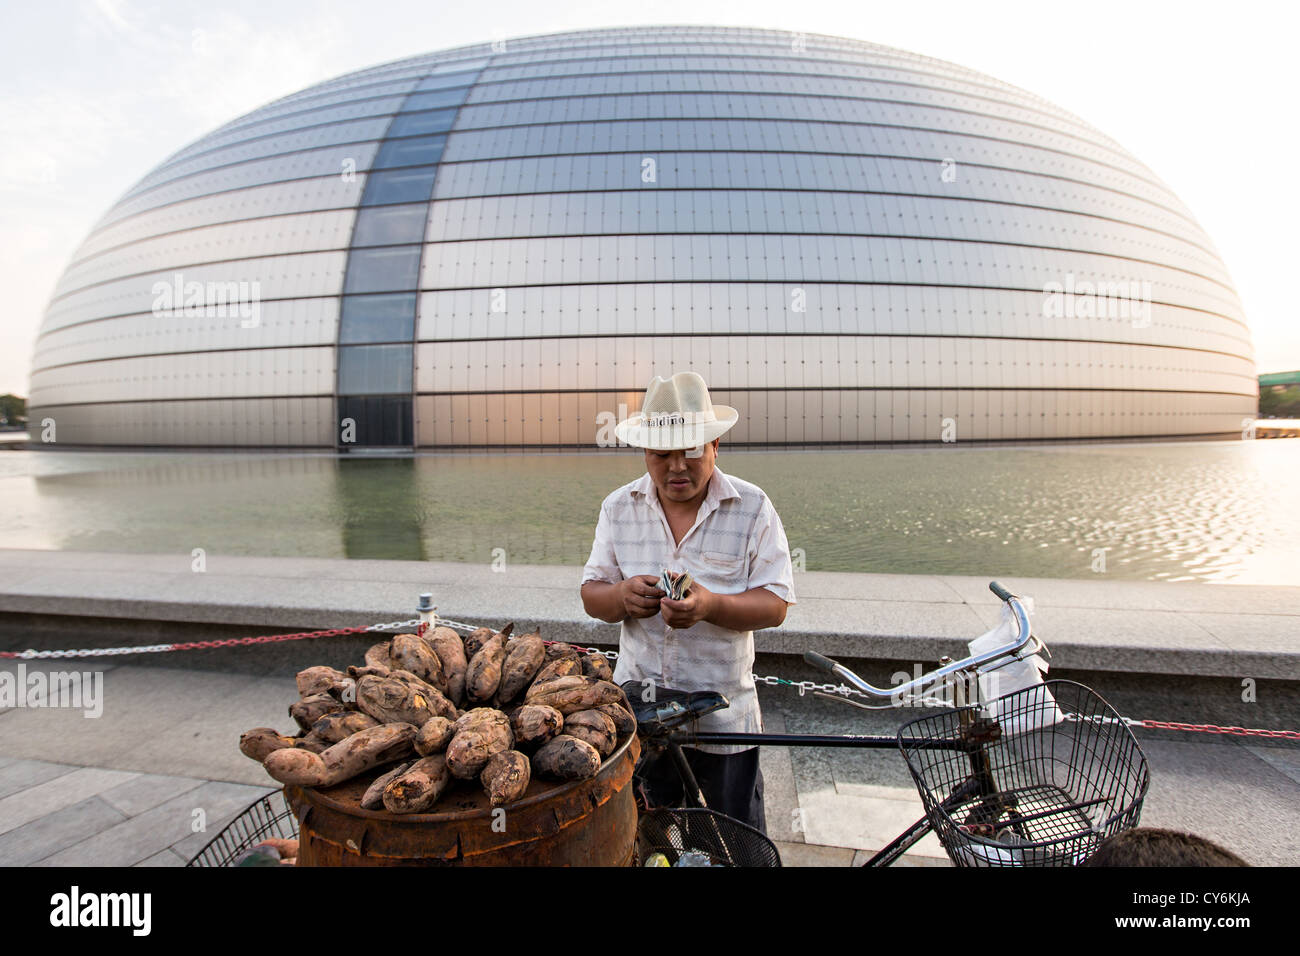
(677, 413)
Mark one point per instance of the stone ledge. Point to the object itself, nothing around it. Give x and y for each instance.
(1096, 625)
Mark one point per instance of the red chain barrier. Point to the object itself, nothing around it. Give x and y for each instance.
(270, 639)
(198, 645)
(1214, 729)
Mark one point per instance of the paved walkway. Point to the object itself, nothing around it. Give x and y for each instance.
(55, 814)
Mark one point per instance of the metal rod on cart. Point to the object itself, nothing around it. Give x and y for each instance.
(823, 740)
(696, 795)
(965, 791)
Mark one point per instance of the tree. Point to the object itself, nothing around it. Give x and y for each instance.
(13, 409)
(1279, 401)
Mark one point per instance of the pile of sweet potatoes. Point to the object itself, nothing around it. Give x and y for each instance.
(437, 708)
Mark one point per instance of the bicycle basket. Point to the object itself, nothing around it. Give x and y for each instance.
(1041, 787)
(270, 816)
(724, 840)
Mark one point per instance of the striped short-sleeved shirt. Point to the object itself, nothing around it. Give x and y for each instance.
(736, 544)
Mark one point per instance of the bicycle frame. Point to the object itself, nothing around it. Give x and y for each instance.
(979, 784)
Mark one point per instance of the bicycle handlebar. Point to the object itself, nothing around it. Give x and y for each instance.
(926, 680)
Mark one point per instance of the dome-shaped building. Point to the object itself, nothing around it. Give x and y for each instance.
(501, 245)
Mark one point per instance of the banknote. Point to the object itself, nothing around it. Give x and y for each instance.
(674, 584)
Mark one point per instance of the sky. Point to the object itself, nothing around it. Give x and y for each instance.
(95, 93)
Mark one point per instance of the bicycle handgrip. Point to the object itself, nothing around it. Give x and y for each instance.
(999, 590)
(819, 662)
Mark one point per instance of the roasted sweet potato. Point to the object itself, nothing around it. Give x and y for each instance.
(450, 649)
(260, 741)
(377, 655)
(475, 640)
(525, 656)
(566, 758)
(345, 691)
(373, 798)
(570, 694)
(475, 744)
(314, 742)
(595, 728)
(596, 665)
(419, 788)
(479, 715)
(411, 653)
(318, 680)
(534, 724)
(307, 711)
(560, 650)
(368, 671)
(438, 703)
(362, 751)
(483, 678)
(434, 736)
(391, 701)
(560, 667)
(342, 724)
(506, 777)
(624, 721)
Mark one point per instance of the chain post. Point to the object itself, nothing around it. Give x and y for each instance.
(428, 613)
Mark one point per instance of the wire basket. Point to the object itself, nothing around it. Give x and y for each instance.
(723, 839)
(1039, 777)
(270, 816)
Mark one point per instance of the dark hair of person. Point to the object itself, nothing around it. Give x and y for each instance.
(1148, 846)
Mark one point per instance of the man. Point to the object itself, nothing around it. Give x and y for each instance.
(684, 514)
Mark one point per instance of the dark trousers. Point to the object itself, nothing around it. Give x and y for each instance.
(731, 783)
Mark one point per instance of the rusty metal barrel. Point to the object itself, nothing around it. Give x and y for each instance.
(580, 823)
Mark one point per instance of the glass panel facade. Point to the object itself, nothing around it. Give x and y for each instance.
(379, 420)
(389, 269)
(393, 217)
(377, 318)
(416, 151)
(390, 225)
(375, 370)
(399, 186)
(417, 124)
(852, 243)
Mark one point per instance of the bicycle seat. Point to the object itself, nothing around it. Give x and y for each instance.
(668, 708)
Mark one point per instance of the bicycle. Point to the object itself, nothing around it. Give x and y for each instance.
(1037, 776)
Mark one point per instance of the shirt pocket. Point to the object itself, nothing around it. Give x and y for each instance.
(723, 572)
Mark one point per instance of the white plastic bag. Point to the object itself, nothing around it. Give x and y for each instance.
(977, 853)
(1009, 675)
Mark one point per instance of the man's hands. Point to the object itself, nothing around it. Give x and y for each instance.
(634, 597)
(640, 595)
(695, 607)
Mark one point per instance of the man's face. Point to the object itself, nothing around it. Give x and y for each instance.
(679, 478)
